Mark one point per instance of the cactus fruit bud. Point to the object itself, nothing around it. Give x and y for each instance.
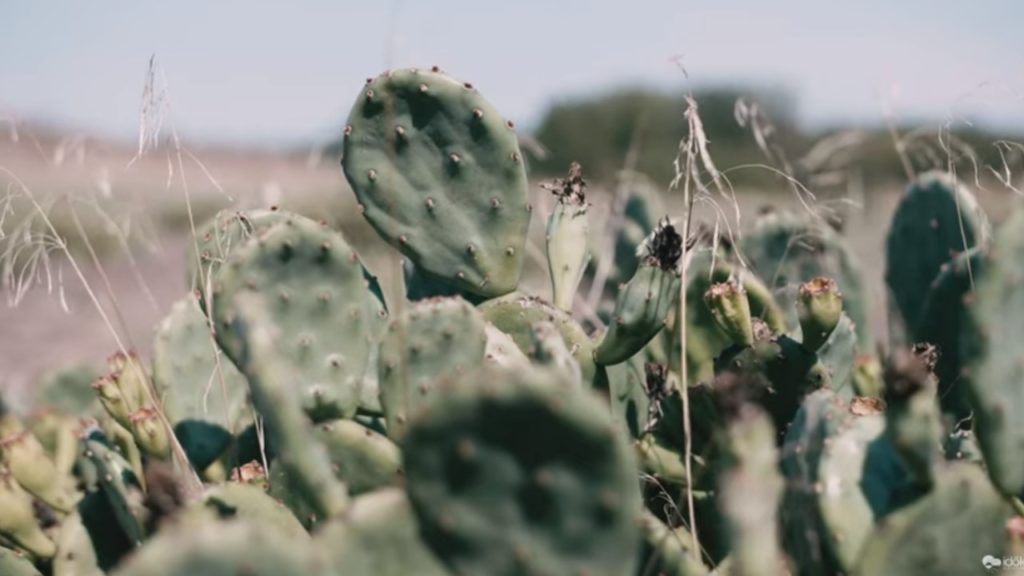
(150, 433)
(18, 521)
(111, 399)
(29, 464)
(731, 311)
(820, 306)
(567, 237)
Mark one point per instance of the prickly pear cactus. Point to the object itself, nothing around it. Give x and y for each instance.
(994, 387)
(644, 303)
(839, 357)
(431, 339)
(705, 340)
(913, 420)
(946, 533)
(67, 390)
(28, 463)
(305, 463)
(317, 297)
(945, 324)
(18, 521)
(841, 477)
(248, 503)
(202, 393)
(666, 551)
(497, 497)
(749, 493)
(379, 535)
(218, 238)
(439, 175)
(219, 548)
(937, 219)
(14, 563)
(784, 372)
(787, 249)
(112, 510)
(517, 314)
(365, 460)
(75, 553)
(566, 237)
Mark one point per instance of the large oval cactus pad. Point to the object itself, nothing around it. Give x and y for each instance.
(516, 473)
(439, 175)
(320, 303)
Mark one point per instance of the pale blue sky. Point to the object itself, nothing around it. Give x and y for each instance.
(283, 72)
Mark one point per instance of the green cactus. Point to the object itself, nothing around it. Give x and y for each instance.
(67, 390)
(218, 238)
(516, 314)
(819, 308)
(994, 385)
(365, 460)
(787, 249)
(378, 536)
(839, 357)
(439, 175)
(501, 350)
(220, 548)
(430, 340)
(945, 323)
(750, 490)
(30, 465)
(56, 434)
(549, 350)
(246, 503)
(666, 551)
(705, 340)
(936, 220)
(75, 554)
(14, 563)
(516, 473)
(112, 510)
(326, 315)
(644, 303)
(624, 385)
(784, 371)
(202, 393)
(842, 475)
(306, 463)
(730, 310)
(913, 419)
(18, 521)
(945, 533)
(566, 237)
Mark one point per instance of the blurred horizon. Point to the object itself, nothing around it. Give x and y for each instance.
(258, 74)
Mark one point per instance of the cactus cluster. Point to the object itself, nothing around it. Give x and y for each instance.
(292, 422)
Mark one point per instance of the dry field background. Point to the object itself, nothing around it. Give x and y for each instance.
(134, 214)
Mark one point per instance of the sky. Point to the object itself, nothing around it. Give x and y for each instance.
(284, 73)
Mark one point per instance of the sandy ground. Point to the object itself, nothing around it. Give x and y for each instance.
(39, 335)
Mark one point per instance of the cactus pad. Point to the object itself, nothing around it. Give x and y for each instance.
(321, 304)
(430, 340)
(379, 535)
(220, 548)
(945, 533)
(515, 473)
(517, 314)
(994, 388)
(439, 175)
(936, 220)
